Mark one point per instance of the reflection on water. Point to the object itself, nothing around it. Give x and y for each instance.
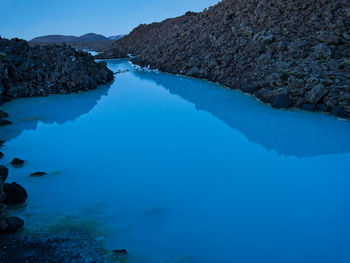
(290, 133)
(294, 133)
(182, 170)
(27, 113)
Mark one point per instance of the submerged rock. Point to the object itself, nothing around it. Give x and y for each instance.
(38, 174)
(120, 252)
(5, 122)
(14, 194)
(17, 163)
(1, 155)
(13, 224)
(3, 114)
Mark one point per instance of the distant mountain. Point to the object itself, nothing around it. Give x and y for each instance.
(89, 41)
(69, 39)
(115, 37)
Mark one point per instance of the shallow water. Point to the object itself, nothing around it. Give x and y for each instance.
(182, 170)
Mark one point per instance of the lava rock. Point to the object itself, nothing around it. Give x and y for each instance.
(17, 163)
(309, 107)
(3, 114)
(266, 95)
(4, 172)
(52, 69)
(305, 50)
(338, 111)
(316, 94)
(38, 174)
(14, 224)
(2, 142)
(14, 194)
(282, 102)
(323, 107)
(1, 155)
(120, 252)
(249, 88)
(5, 122)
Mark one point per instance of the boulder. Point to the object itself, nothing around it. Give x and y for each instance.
(4, 172)
(5, 122)
(17, 163)
(338, 111)
(3, 114)
(250, 88)
(323, 107)
(13, 224)
(309, 107)
(282, 101)
(316, 94)
(14, 194)
(267, 95)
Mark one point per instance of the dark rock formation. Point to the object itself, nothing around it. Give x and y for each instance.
(3, 114)
(1, 155)
(17, 163)
(120, 252)
(38, 71)
(38, 174)
(4, 172)
(298, 48)
(5, 122)
(14, 194)
(13, 224)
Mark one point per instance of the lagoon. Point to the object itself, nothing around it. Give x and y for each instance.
(176, 169)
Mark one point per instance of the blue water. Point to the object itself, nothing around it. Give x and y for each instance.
(182, 170)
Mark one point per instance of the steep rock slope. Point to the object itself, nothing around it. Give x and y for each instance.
(38, 71)
(291, 53)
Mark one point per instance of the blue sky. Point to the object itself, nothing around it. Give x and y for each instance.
(30, 18)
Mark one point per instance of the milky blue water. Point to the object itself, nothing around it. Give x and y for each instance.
(182, 170)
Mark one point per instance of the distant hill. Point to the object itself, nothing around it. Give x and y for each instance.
(66, 39)
(89, 41)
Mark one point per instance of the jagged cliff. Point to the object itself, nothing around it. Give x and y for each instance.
(291, 53)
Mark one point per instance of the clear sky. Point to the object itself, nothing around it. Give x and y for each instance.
(31, 18)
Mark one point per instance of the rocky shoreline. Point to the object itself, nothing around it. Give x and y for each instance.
(42, 70)
(290, 54)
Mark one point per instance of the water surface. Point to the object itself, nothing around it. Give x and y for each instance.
(182, 170)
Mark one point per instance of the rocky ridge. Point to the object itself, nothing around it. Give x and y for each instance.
(293, 53)
(42, 70)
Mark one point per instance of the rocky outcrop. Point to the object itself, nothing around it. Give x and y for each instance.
(276, 50)
(39, 71)
(14, 194)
